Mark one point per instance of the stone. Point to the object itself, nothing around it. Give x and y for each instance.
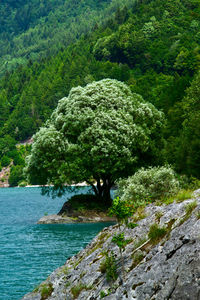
(169, 270)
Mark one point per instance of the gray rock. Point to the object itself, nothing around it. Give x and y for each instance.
(168, 270)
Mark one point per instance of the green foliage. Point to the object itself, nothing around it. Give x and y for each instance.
(140, 242)
(132, 225)
(148, 185)
(5, 161)
(153, 46)
(33, 29)
(122, 210)
(97, 133)
(109, 266)
(156, 233)
(77, 289)
(187, 145)
(120, 241)
(198, 215)
(137, 258)
(16, 175)
(139, 214)
(103, 294)
(183, 195)
(46, 290)
(190, 207)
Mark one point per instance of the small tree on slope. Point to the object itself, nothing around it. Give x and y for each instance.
(99, 133)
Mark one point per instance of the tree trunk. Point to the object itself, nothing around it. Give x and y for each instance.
(102, 190)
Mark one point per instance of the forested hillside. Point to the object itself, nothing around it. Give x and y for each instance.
(153, 46)
(31, 30)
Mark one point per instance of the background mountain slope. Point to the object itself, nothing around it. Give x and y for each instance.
(153, 46)
(31, 30)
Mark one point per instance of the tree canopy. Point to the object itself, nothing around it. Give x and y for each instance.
(97, 134)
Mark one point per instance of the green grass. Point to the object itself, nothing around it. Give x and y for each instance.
(183, 195)
(139, 214)
(190, 207)
(198, 215)
(139, 242)
(158, 216)
(46, 291)
(137, 258)
(179, 197)
(156, 233)
(77, 289)
(103, 294)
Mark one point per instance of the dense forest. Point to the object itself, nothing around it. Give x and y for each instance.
(151, 45)
(31, 30)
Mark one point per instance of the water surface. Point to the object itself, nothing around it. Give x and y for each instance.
(30, 252)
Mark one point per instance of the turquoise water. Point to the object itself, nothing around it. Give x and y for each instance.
(30, 252)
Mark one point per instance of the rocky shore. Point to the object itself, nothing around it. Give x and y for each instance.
(168, 268)
(63, 219)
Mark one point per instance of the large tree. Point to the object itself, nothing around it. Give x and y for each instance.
(97, 134)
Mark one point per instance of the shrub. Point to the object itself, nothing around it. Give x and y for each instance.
(103, 294)
(183, 195)
(16, 175)
(122, 210)
(149, 185)
(46, 291)
(5, 161)
(109, 266)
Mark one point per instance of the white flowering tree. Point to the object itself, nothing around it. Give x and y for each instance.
(97, 134)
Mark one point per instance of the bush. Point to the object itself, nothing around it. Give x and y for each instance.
(149, 185)
(17, 157)
(16, 175)
(5, 161)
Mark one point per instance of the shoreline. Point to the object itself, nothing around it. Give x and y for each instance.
(81, 184)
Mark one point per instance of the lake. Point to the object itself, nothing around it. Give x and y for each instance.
(30, 252)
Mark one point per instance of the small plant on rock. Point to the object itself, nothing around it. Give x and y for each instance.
(122, 210)
(121, 242)
(156, 233)
(198, 215)
(190, 207)
(109, 266)
(46, 290)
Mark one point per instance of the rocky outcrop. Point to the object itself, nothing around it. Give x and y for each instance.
(4, 175)
(69, 214)
(166, 268)
(63, 219)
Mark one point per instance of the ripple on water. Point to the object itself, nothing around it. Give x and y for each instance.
(30, 252)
